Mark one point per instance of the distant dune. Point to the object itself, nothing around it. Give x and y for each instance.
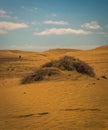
(16, 63)
(105, 47)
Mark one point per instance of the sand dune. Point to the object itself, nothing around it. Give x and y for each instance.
(72, 102)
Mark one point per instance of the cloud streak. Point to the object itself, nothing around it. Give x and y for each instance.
(56, 22)
(8, 26)
(3, 14)
(105, 34)
(92, 25)
(62, 31)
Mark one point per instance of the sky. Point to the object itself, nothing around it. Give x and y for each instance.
(39, 25)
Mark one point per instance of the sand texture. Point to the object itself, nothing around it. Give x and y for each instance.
(70, 101)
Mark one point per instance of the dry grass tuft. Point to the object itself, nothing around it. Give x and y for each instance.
(55, 67)
(40, 74)
(70, 63)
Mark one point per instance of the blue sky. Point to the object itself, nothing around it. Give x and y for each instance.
(39, 25)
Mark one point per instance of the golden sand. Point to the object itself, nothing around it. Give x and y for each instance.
(76, 103)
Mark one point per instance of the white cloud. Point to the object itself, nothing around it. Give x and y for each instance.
(30, 10)
(91, 25)
(35, 23)
(3, 14)
(56, 22)
(61, 31)
(6, 15)
(105, 34)
(7, 26)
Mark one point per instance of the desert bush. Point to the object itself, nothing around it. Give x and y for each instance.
(70, 63)
(67, 63)
(84, 68)
(40, 75)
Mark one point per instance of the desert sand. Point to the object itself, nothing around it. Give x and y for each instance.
(78, 102)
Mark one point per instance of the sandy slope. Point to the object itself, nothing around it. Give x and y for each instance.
(77, 103)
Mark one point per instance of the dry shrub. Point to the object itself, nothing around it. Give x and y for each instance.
(67, 63)
(40, 75)
(70, 63)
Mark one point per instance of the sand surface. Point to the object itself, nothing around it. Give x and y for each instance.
(76, 103)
